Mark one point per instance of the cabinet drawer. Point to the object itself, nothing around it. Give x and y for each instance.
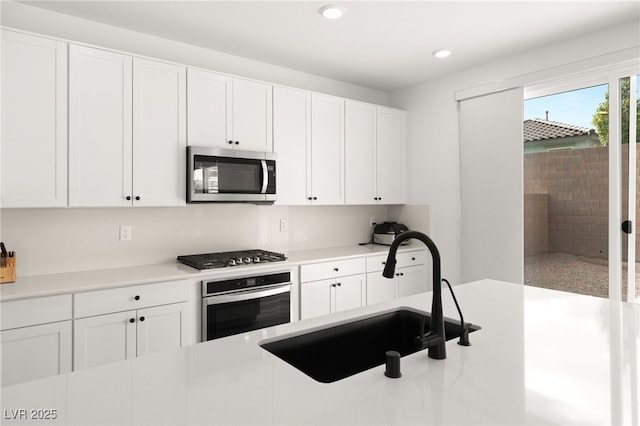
(411, 258)
(332, 269)
(128, 298)
(403, 259)
(40, 310)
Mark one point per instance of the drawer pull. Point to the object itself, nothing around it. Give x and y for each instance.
(132, 320)
(336, 269)
(413, 258)
(137, 297)
(339, 284)
(141, 318)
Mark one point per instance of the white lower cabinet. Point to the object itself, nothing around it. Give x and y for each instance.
(332, 295)
(407, 281)
(30, 353)
(124, 323)
(103, 339)
(341, 284)
(36, 338)
(123, 335)
(410, 277)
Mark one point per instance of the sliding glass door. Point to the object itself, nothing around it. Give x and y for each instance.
(580, 187)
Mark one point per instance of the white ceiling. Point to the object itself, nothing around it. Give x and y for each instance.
(380, 44)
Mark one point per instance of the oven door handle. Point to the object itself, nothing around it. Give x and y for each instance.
(265, 177)
(246, 295)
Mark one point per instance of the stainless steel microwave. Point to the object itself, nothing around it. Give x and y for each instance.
(229, 175)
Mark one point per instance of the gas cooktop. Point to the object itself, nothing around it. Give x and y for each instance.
(230, 258)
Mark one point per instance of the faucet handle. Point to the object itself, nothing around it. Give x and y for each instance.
(464, 336)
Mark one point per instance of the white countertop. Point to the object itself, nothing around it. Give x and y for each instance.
(73, 282)
(542, 357)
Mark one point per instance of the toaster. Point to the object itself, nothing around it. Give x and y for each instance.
(384, 233)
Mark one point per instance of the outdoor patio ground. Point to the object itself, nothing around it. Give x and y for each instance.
(567, 272)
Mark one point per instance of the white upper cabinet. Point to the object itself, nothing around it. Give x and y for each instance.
(308, 131)
(100, 128)
(34, 121)
(159, 133)
(360, 154)
(252, 115)
(390, 163)
(326, 182)
(209, 106)
(228, 112)
(374, 150)
(291, 142)
(127, 133)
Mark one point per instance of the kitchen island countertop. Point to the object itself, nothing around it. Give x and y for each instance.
(541, 357)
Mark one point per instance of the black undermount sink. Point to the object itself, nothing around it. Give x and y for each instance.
(333, 353)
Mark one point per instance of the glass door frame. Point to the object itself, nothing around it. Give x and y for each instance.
(612, 76)
(632, 214)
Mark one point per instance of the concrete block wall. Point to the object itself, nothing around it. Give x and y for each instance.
(577, 185)
(536, 224)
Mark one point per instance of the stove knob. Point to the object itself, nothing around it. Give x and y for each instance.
(246, 259)
(256, 259)
(239, 260)
(231, 262)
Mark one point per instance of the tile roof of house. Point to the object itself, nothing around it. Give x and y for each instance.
(537, 129)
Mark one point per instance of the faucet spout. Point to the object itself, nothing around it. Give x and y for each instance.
(435, 339)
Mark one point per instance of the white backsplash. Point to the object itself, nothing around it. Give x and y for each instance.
(63, 240)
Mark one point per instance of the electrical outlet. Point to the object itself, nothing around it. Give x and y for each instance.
(284, 225)
(125, 232)
(372, 221)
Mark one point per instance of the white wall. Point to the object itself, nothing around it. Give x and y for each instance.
(61, 240)
(434, 162)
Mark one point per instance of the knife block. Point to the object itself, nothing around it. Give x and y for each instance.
(8, 270)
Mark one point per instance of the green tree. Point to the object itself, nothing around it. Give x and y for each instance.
(600, 118)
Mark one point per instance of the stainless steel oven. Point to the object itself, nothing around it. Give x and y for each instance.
(237, 305)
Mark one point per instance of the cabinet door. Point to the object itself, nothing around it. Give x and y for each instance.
(34, 121)
(209, 109)
(31, 353)
(315, 298)
(104, 338)
(252, 116)
(100, 133)
(390, 170)
(412, 280)
(349, 293)
(159, 133)
(161, 328)
(327, 149)
(360, 145)
(291, 141)
(379, 288)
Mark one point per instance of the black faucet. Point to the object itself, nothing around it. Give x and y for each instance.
(435, 339)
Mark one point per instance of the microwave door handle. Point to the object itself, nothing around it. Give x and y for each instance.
(265, 177)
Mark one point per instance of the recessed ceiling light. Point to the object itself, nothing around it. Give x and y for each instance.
(441, 53)
(331, 11)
